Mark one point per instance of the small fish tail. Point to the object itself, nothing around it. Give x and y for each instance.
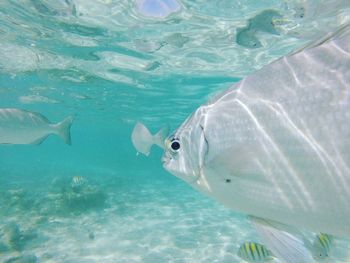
(160, 136)
(143, 140)
(63, 129)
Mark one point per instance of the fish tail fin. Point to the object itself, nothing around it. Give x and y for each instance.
(160, 136)
(63, 129)
(143, 140)
(284, 245)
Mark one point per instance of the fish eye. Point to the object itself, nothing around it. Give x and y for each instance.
(175, 145)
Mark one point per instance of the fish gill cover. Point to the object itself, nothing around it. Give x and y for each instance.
(111, 63)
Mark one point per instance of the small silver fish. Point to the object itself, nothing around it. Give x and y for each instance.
(24, 127)
(254, 252)
(321, 247)
(276, 145)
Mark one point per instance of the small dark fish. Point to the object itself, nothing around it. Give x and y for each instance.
(246, 38)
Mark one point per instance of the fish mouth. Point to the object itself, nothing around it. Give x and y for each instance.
(184, 177)
(165, 160)
(166, 163)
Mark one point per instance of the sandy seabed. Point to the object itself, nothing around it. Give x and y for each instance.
(134, 222)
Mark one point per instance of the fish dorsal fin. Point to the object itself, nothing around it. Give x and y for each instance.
(286, 243)
(341, 31)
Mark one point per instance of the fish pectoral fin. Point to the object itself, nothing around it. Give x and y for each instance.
(285, 243)
(242, 166)
(39, 140)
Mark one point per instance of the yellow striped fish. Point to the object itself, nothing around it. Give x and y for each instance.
(77, 181)
(322, 245)
(254, 252)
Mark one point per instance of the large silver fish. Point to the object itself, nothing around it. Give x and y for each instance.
(277, 144)
(24, 127)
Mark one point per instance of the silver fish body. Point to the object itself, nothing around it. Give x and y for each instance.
(24, 127)
(277, 144)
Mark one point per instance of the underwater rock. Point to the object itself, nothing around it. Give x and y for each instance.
(59, 185)
(74, 194)
(28, 235)
(88, 197)
(263, 22)
(14, 200)
(14, 197)
(41, 220)
(47, 257)
(11, 236)
(19, 193)
(21, 198)
(79, 194)
(49, 206)
(22, 259)
(3, 247)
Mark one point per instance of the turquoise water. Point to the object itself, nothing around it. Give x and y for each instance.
(110, 65)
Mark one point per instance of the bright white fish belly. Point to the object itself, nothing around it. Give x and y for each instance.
(277, 144)
(25, 127)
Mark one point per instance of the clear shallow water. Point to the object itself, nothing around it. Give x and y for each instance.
(111, 66)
